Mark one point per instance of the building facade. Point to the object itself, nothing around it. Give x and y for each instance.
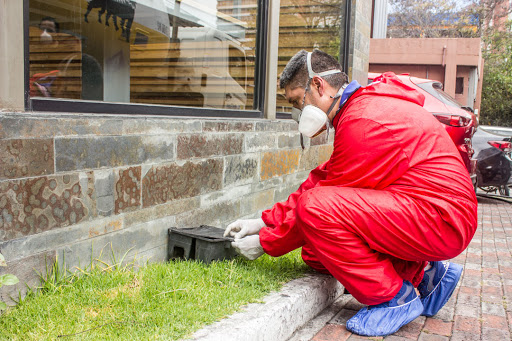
(455, 62)
(120, 119)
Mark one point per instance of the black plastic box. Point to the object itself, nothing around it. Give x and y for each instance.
(204, 243)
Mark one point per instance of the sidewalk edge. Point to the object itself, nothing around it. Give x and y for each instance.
(281, 313)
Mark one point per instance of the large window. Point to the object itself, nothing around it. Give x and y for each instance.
(196, 53)
(307, 24)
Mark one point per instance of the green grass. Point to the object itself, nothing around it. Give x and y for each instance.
(158, 301)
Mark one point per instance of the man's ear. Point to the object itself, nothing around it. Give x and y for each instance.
(319, 84)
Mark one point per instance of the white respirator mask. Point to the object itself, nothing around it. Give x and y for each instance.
(311, 118)
(46, 37)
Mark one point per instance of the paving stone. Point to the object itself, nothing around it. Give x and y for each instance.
(469, 291)
(467, 324)
(472, 273)
(492, 293)
(472, 266)
(343, 316)
(493, 309)
(475, 259)
(493, 321)
(311, 328)
(489, 264)
(354, 337)
(460, 259)
(354, 304)
(459, 335)
(471, 282)
(491, 279)
(506, 272)
(447, 312)
(492, 334)
(332, 332)
(468, 299)
(432, 337)
(411, 330)
(436, 326)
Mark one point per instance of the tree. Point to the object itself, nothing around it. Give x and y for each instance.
(431, 19)
(485, 19)
(496, 107)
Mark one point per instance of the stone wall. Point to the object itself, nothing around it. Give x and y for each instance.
(359, 47)
(77, 186)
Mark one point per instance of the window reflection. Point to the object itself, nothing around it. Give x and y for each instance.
(307, 24)
(172, 52)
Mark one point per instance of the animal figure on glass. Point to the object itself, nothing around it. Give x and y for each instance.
(122, 9)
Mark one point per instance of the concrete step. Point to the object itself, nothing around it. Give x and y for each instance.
(280, 315)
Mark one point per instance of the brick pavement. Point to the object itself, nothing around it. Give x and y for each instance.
(481, 305)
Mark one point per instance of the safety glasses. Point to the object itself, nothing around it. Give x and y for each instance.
(296, 112)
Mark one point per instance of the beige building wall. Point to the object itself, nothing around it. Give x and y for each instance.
(11, 44)
(442, 59)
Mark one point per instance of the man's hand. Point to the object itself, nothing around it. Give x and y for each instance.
(244, 227)
(249, 247)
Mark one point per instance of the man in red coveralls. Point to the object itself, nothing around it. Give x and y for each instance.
(381, 215)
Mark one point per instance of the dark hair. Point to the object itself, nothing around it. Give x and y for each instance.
(295, 74)
(57, 26)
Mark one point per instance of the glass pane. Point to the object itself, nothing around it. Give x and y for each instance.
(307, 24)
(171, 52)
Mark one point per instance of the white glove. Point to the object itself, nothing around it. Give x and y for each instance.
(244, 227)
(249, 247)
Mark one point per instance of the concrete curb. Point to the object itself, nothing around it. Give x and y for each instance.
(281, 314)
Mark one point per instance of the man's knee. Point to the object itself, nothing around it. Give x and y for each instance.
(308, 207)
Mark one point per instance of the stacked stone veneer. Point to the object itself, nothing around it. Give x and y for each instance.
(74, 185)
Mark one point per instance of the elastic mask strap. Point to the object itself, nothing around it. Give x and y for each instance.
(320, 74)
(335, 97)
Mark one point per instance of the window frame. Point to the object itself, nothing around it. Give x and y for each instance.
(101, 107)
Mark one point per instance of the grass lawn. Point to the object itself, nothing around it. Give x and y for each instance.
(160, 301)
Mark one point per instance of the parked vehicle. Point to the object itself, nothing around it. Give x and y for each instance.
(460, 123)
(494, 164)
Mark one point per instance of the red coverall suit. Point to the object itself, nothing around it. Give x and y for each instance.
(394, 194)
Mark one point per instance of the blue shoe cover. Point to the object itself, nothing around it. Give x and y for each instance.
(386, 318)
(437, 286)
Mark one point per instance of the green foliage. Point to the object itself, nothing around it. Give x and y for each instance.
(496, 107)
(433, 19)
(158, 301)
(6, 279)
